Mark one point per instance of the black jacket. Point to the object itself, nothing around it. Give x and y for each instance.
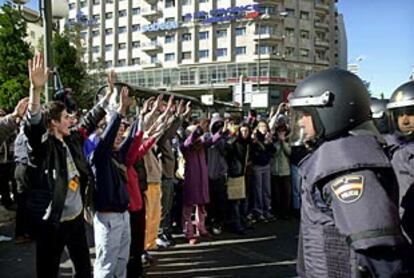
(49, 180)
(237, 150)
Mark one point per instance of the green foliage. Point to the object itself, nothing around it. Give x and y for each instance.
(14, 54)
(71, 69)
(75, 74)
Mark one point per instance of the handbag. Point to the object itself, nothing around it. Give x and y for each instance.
(236, 187)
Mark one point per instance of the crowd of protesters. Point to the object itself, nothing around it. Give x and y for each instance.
(136, 180)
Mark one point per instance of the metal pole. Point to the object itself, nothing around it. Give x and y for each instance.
(258, 55)
(47, 21)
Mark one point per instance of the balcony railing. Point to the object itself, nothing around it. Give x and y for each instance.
(151, 13)
(321, 42)
(151, 46)
(150, 64)
(269, 36)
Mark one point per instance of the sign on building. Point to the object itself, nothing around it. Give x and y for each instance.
(207, 100)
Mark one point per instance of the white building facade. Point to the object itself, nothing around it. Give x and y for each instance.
(208, 46)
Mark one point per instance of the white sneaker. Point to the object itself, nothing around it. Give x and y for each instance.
(162, 243)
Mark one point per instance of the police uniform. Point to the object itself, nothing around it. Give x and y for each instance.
(402, 103)
(350, 226)
(403, 163)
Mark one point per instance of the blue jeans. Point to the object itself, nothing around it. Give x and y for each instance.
(112, 240)
(295, 187)
(261, 190)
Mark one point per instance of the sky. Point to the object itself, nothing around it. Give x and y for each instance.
(381, 33)
(380, 38)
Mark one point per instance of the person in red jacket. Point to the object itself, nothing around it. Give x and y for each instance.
(142, 142)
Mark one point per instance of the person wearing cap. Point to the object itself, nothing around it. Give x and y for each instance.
(401, 109)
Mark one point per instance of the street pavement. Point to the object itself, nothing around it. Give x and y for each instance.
(267, 251)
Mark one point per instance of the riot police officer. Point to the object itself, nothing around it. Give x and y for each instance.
(381, 118)
(349, 225)
(401, 108)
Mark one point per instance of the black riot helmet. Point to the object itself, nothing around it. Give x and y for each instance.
(380, 115)
(337, 101)
(402, 103)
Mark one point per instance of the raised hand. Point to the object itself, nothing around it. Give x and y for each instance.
(268, 138)
(158, 103)
(125, 101)
(21, 108)
(180, 109)
(37, 73)
(146, 106)
(187, 110)
(111, 79)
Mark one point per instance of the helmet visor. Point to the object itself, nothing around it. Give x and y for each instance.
(303, 129)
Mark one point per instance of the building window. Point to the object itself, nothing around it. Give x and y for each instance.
(289, 51)
(186, 2)
(169, 39)
(136, 11)
(108, 15)
(170, 19)
(121, 62)
(304, 15)
(186, 37)
(268, 10)
(202, 54)
(153, 59)
(221, 33)
(304, 53)
(240, 31)
(169, 57)
(240, 50)
(109, 1)
(72, 6)
(221, 52)
(203, 1)
(95, 33)
(186, 55)
(96, 2)
(290, 32)
(122, 29)
(136, 44)
(136, 27)
(169, 3)
(136, 61)
(95, 49)
(203, 35)
(185, 18)
(304, 34)
(108, 47)
(108, 64)
(290, 12)
(122, 45)
(122, 13)
(108, 31)
(82, 4)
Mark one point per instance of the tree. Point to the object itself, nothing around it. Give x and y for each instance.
(71, 69)
(14, 54)
(367, 85)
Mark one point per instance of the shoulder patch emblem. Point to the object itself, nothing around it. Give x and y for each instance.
(348, 189)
